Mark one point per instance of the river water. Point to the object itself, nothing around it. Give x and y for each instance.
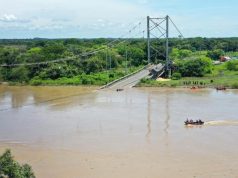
(79, 132)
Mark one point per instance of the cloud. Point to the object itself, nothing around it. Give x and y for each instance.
(8, 18)
(111, 18)
(44, 24)
(96, 18)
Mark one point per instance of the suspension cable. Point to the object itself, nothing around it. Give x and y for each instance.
(110, 44)
(176, 27)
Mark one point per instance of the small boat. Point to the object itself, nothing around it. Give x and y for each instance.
(191, 122)
(119, 89)
(221, 88)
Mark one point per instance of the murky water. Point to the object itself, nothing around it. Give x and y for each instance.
(80, 132)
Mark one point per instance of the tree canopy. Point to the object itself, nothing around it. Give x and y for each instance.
(131, 53)
(195, 67)
(12, 169)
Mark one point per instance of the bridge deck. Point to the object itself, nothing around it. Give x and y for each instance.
(135, 78)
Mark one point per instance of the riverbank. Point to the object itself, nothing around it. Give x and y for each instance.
(202, 82)
(189, 82)
(220, 77)
(93, 79)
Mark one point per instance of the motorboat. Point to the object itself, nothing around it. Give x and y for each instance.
(191, 122)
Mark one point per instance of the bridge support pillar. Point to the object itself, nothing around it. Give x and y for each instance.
(161, 25)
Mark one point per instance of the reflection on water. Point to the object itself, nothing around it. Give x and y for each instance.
(167, 115)
(148, 118)
(56, 97)
(19, 98)
(133, 133)
(167, 118)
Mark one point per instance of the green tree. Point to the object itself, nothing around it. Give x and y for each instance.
(9, 55)
(180, 54)
(55, 71)
(176, 76)
(136, 55)
(19, 74)
(196, 67)
(232, 65)
(215, 54)
(94, 64)
(12, 169)
(53, 51)
(33, 55)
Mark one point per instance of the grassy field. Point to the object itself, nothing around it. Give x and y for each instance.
(220, 76)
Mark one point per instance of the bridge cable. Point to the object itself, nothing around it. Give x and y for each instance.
(176, 27)
(74, 57)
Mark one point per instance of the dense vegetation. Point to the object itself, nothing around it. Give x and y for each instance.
(12, 169)
(81, 64)
(192, 57)
(193, 64)
(225, 74)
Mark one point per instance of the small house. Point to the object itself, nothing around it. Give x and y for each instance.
(224, 58)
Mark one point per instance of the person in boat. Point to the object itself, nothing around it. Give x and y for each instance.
(196, 122)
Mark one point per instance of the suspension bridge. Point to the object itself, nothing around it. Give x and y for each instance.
(153, 25)
(156, 28)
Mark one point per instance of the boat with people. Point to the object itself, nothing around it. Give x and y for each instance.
(191, 122)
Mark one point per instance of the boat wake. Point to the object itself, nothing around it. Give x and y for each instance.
(221, 123)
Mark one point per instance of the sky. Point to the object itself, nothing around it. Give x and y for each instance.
(113, 18)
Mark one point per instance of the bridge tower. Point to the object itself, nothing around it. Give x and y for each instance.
(158, 28)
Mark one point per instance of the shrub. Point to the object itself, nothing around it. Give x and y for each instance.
(173, 85)
(94, 64)
(145, 81)
(111, 75)
(12, 169)
(215, 54)
(234, 85)
(176, 76)
(19, 74)
(232, 65)
(195, 67)
(1, 75)
(36, 81)
(86, 81)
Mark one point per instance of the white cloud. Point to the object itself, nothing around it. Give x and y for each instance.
(8, 18)
(44, 24)
(105, 15)
(103, 18)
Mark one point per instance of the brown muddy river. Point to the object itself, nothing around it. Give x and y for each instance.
(76, 132)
